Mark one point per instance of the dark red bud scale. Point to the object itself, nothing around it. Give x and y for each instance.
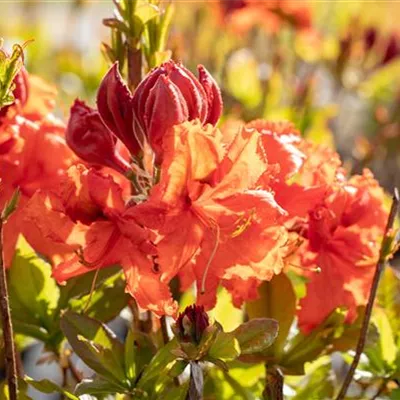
(91, 140)
(192, 323)
(165, 107)
(114, 102)
(213, 93)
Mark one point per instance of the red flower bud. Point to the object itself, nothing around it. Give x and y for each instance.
(170, 95)
(114, 102)
(91, 140)
(192, 323)
(213, 95)
(165, 107)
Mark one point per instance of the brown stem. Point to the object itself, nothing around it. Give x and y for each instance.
(368, 310)
(134, 66)
(273, 384)
(9, 346)
(164, 329)
(78, 376)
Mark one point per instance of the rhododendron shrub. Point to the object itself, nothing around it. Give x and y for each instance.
(227, 247)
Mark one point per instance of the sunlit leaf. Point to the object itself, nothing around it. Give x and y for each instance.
(47, 386)
(305, 348)
(271, 304)
(256, 335)
(389, 297)
(319, 384)
(225, 312)
(10, 205)
(130, 352)
(34, 301)
(97, 386)
(9, 68)
(96, 345)
(106, 301)
(386, 346)
(225, 347)
(159, 363)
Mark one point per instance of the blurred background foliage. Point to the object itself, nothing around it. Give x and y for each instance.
(331, 67)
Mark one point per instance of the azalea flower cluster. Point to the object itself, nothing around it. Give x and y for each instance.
(155, 187)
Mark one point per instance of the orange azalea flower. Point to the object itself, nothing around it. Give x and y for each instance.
(32, 155)
(89, 214)
(212, 219)
(242, 15)
(299, 180)
(343, 235)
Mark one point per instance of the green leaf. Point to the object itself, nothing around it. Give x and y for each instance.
(389, 297)
(225, 347)
(47, 386)
(145, 350)
(241, 383)
(9, 68)
(81, 285)
(271, 304)
(30, 330)
(116, 24)
(35, 301)
(349, 337)
(159, 363)
(229, 316)
(317, 385)
(143, 14)
(164, 26)
(172, 392)
(178, 368)
(98, 386)
(145, 11)
(106, 301)
(386, 346)
(208, 338)
(96, 345)
(304, 348)
(10, 205)
(395, 394)
(130, 351)
(256, 335)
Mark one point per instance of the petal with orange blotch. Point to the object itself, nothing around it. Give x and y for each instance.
(191, 152)
(242, 165)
